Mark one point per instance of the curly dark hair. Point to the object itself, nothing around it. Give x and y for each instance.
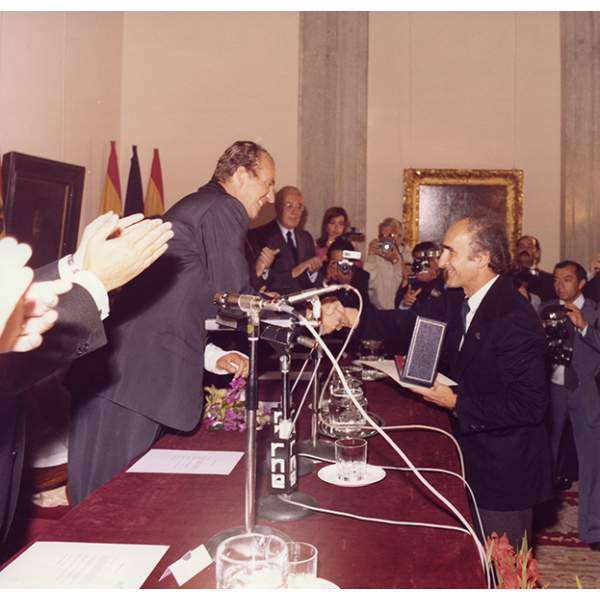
(488, 235)
(331, 213)
(239, 154)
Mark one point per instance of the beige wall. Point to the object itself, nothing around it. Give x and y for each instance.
(60, 93)
(472, 90)
(195, 82)
(466, 90)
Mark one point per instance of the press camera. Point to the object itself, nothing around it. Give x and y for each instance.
(556, 326)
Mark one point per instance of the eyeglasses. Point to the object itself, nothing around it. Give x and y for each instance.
(294, 205)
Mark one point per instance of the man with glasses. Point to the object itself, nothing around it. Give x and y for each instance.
(286, 260)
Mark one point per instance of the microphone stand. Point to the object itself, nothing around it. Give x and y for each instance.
(250, 481)
(324, 449)
(273, 507)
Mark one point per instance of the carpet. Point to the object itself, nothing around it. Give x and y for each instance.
(560, 553)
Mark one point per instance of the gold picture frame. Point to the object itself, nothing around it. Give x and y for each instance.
(436, 198)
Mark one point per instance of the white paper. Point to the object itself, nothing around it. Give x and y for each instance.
(389, 368)
(190, 564)
(192, 462)
(82, 565)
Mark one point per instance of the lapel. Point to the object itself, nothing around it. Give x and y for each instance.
(479, 328)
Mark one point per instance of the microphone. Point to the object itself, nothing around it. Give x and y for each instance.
(250, 303)
(282, 336)
(308, 294)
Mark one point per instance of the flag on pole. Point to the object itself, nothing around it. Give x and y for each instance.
(111, 194)
(134, 200)
(154, 204)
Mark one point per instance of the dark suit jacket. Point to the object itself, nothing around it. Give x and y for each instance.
(502, 399)
(77, 331)
(280, 274)
(592, 288)
(153, 363)
(502, 392)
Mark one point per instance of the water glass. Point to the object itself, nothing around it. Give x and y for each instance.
(344, 417)
(252, 560)
(302, 561)
(351, 459)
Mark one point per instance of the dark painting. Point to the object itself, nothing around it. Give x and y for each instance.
(42, 204)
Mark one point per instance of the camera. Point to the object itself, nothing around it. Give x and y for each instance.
(422, 260)
(556, 327)
(385, 245)
(348, 257)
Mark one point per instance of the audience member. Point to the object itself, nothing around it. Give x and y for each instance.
(574, 392)
(111, 252)
(335, 222)
(150, 374)
(425, 284)
(286, 253)
(343, 270)
(529, 254)
(385, 264)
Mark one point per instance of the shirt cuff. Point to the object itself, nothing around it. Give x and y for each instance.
(265, 274)
(212, 354)
(403, 307)
(583, 331)
(70, 270)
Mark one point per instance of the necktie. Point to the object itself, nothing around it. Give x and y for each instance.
(291, 246)
(464, 310)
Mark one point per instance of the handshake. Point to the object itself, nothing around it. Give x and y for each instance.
(114, 250)
(335, 315)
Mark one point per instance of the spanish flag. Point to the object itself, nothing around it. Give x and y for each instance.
(111, 194)
(154, 204)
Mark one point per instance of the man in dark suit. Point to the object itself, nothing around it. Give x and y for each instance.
(149, 375)
(494, 347)
(283, 254)
(574, 393)
(528, 256)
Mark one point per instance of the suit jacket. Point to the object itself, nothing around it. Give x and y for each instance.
(153, 363)
(502, 399)
(592, 288)
(586, 362)
(77, 331)
(280, 274)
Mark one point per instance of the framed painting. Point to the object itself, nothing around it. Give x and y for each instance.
(42, 204)
(436, 198)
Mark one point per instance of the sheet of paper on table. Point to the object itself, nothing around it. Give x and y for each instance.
(389, 368)
(191, 462)
(82, 565)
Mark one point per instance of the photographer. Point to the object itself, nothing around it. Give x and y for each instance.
(385, 263)
(425, 281)
(341, 268)
(573, 341)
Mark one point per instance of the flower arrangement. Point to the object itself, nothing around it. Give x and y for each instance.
(514, 570)
(225, 408)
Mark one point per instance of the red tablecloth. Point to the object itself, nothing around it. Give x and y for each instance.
(184, 511)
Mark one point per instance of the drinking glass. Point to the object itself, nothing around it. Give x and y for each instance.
(351, 459)
(252, 560)
(302, 560)
(344, 417)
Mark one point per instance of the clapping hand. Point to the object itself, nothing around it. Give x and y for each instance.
(117, 250)
(26, 309)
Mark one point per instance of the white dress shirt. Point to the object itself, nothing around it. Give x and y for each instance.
(474, 301)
